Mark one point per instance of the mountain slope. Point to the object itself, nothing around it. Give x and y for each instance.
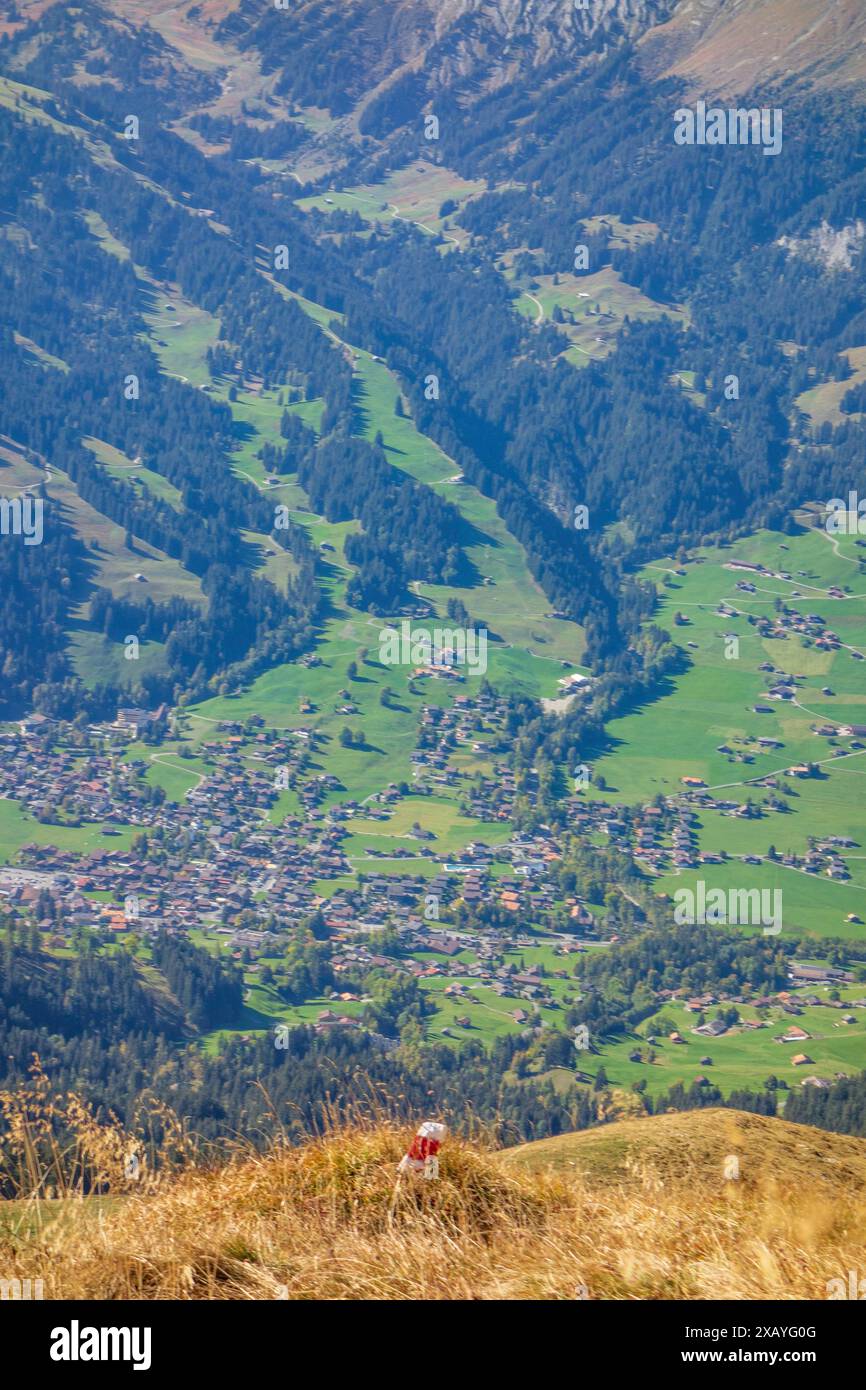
(478, 44)
(731, 48)
(580, 407)
(341, 54)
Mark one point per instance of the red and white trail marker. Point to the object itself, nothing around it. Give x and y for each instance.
(422, 1157)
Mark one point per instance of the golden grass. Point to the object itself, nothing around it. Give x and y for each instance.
(685, 1145)
(327, 1221)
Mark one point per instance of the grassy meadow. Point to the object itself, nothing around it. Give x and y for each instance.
(710, 706)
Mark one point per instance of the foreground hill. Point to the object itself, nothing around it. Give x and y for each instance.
(636, 1210)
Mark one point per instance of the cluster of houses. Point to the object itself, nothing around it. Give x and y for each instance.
(74, 784)
(682, 850)
(810, 626)
(659, 834)
(467, 959)
(468, 725)
(218, 863)
(787, 1002)
(262, 882)
(85, 780)
(763, 573)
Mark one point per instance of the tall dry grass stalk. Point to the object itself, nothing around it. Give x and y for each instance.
(54, 1146)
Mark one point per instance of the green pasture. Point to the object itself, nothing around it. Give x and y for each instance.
(741, 1059)
(710, 706)
(17, 828)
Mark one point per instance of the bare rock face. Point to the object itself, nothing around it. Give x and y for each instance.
(472, 47)
(492, 40)
(483, 42)
(551, 25)
(728, 46)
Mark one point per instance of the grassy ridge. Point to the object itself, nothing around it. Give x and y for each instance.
(606, 1214)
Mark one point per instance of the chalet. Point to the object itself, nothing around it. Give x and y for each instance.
(793, 1035)
(701, 1001)
(528, 979)
(343, 1021)
(714, 1029)
(445, 945)
(34, 724)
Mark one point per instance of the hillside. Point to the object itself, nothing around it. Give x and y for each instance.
(681, 1147)
(729, 48)
(241, 110)
(325, 1221)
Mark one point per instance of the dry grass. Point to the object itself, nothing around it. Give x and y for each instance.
(327, 1221)
(55, 1147)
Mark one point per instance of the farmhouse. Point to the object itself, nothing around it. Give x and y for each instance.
(714, 1029)
(793, 1035)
